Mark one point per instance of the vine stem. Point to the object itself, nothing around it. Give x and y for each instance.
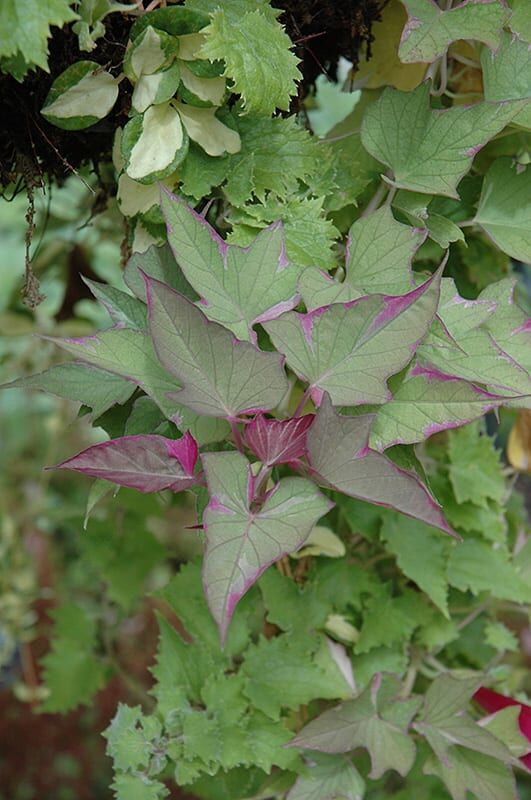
(302, 402)
(375, 200)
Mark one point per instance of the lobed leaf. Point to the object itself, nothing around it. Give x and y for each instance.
(278, 441)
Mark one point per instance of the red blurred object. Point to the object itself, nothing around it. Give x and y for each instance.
(494, 701)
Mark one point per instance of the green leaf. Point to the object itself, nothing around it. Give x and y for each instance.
(247, 48)
(123, 562)
(222, 377)
(430, 30)
(72, 672)
(25, 29)
(309, 234)
(476, 566)
(284, 673)
(501, 638)
(504, 725)
(510, 325)
(238, 287)
(475, 468)
(328, 777)
(276, 154)
(376, 720)
(379, 335)
(234, 9)
(95, 388)
(129, 738)
(200, 172)
(240, 541)
(154, 143)
(138, 787)
(506, 71)
(444, 722)
(520, 21)
(81, 95)
(353, 169)
(298, 611)
(433, 156)
(467, 771)
(504, 210)
(386, 621)
(421, 554)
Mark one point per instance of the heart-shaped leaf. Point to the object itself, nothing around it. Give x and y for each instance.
(243, 539)
(221, 376)
(339, 454)
(145, 463)
(349, 350)
(238, 286)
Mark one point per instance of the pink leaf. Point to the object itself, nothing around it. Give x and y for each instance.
(276, 441)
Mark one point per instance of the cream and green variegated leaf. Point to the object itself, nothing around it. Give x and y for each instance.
(151, 51)
(238, 286)
(430, 30)
(221, 376)
(379, 336)
(202, 125)
(156, 88)
(340, 457)
(154, 143)
(139, 198)
(201, 91)
(95, 388)
(81, 95)
(436, 153)
(378, 720)
(245, 47)
(241, 540)
(504, 210)
(328, 777)
(427, 402)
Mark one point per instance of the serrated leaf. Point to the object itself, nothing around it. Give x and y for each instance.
(234, 9)
(430, 30)
(476, 567)
(72, 672)
(376, 720)
(520, 21)
(238, 287)
(199, 172)
(138, 787)
(427, 402)
(328, 778)
(434, 155)
(284, 672)
(353, 168)
(501, 638)
(421, 554)
(505, 726)
(222, 377)
(379, 335)
(241, 540)
(81, 95)
(25, 28)
(146, 463)
(154, 143)
(387, 620)
(128, 739)
(297, 610)
(504, 210)
(275, 155)
(339, 455)
(277, 441)
(309, 234)
(444, 722)
(95, 388)
(475, 469)
(245, 48)
(469, 772)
